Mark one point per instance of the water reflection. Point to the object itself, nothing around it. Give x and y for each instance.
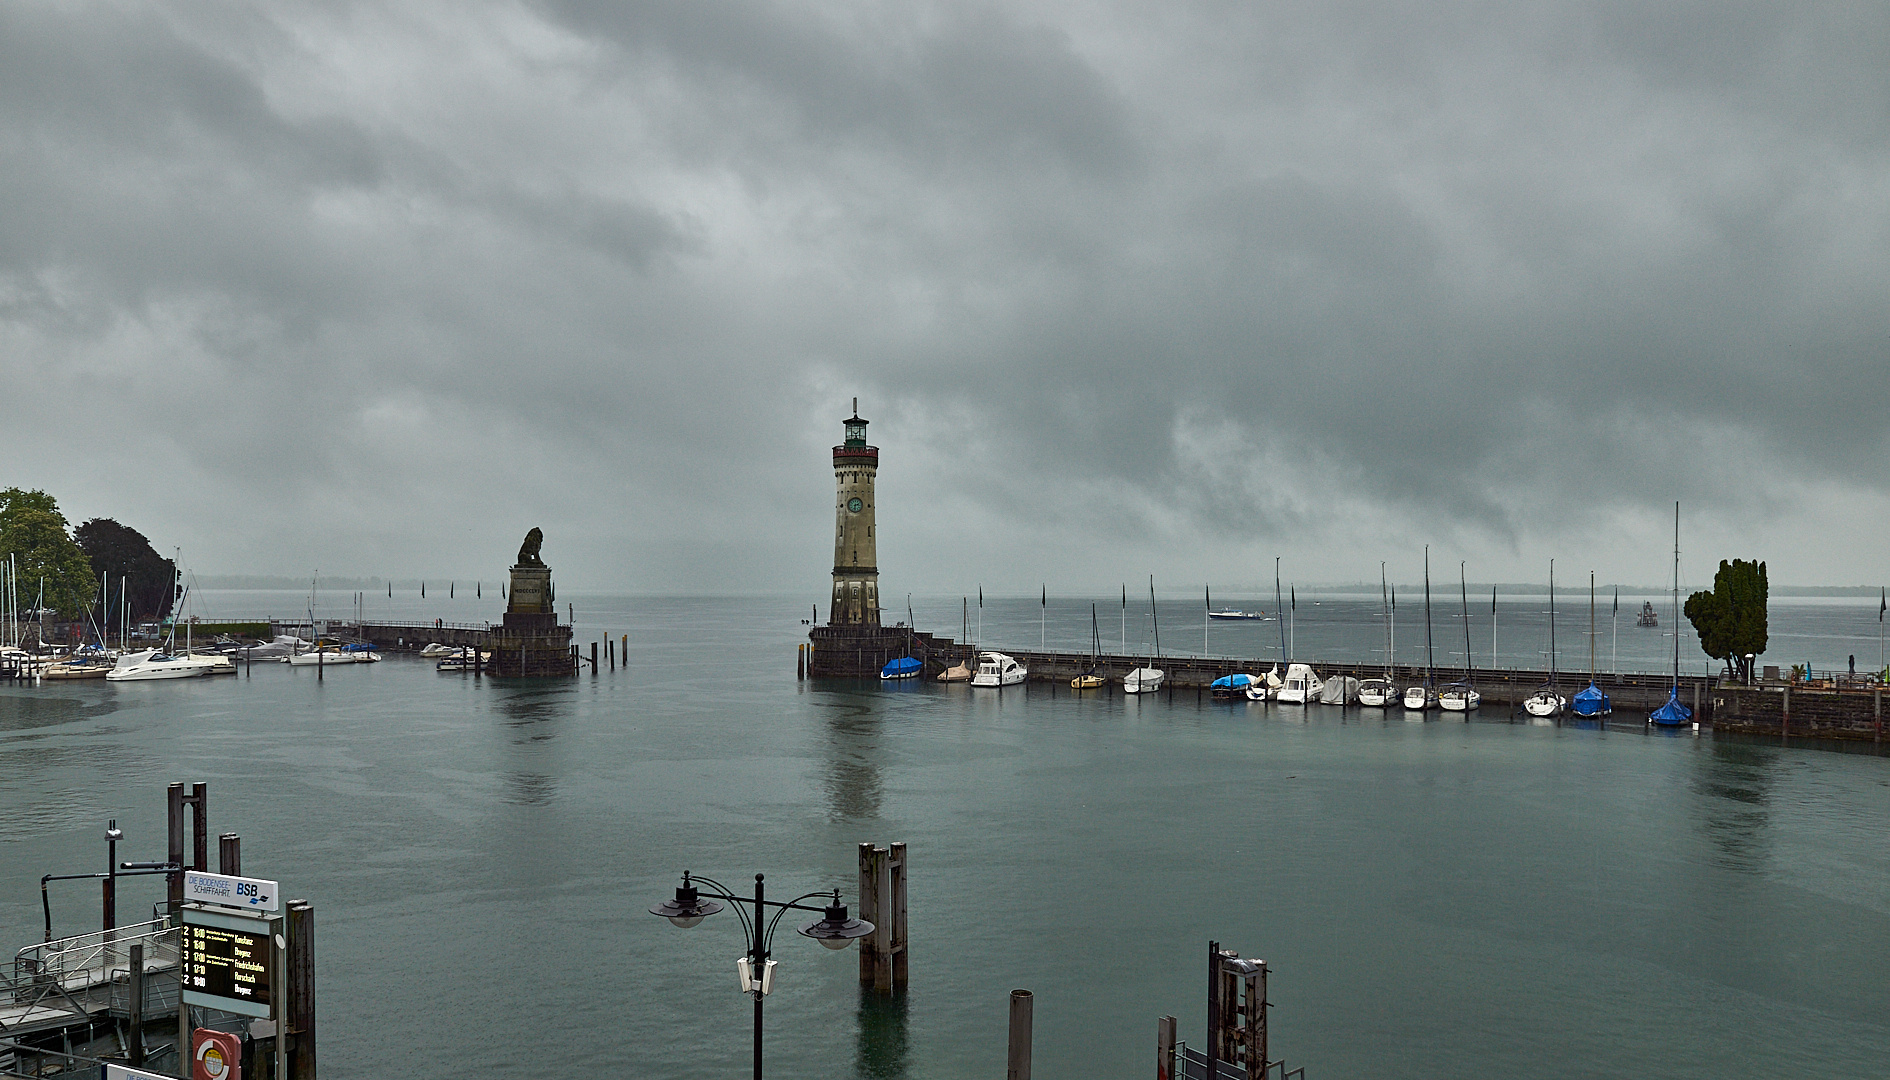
(532, 715)
(1736, 786)
(851, 772)
(883, 1041)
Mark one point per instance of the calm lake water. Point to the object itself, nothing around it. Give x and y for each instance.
(1435, 899)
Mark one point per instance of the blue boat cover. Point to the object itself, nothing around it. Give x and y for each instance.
(1673, 712)
(1232, 682)
(901, 666)
(1590, 702)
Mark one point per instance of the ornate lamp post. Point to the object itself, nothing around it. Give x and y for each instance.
(833, 929)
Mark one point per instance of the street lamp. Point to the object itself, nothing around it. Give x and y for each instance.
(834, 929)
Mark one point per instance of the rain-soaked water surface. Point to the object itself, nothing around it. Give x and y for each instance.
(1435, 899)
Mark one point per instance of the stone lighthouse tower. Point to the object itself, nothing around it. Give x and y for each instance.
(855, 554)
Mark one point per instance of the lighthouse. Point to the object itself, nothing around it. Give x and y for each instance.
(855, 554)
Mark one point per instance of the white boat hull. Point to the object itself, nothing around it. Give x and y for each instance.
(1377, 693)
(149, 667)
(1301, 686)
(1459, 702)
(998, 670)
(1143, 680)
(1544, 703)
(1418, 698)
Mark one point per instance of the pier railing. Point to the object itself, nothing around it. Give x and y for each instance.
(79, 961)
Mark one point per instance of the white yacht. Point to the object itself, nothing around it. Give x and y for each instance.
(1544, 702)
(1301, 686)
(151, 664)
(1420, 697)
(1143, 680)
(997, 669)
(1458, 697)
(1377, 693)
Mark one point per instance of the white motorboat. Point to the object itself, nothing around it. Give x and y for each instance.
(997, 669)
(1301, 686)
(463, 661)
(152, 664)
(1237, 614)
(329, 656)
(434, 650)
(1143, 680)
(1458, 697)
(1377, 693)
(283, 645)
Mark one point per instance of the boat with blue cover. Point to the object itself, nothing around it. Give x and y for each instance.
(1673, 714)
(1591, 701)
(901, 667)
(1228, 686)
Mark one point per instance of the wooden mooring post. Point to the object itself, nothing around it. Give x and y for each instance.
(593, 657)
(883, 903)
(1164, 1048)
(299, 1023)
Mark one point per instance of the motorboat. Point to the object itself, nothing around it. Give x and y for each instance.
(997, 669)
(959, 672)
(1143, 680)
(152, 664)
(330, 655)
(283, 645)
(463, 661)
(1339, 690)
(1086, 682)
(1458, 697)
(1237, 614)
(1377, 693)
(901, 667)
(93, 667)
(1232, 686)
(1302, 686)
(434, 649)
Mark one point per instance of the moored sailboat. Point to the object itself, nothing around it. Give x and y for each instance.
(1673, 714)
(1546, 701)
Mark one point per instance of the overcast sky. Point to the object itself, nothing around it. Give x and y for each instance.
(1124, 288)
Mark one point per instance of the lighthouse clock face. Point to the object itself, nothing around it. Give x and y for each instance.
(855, 505)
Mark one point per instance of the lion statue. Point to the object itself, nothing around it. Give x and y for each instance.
(528, 551)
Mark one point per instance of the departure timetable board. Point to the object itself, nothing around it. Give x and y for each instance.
(228, 962)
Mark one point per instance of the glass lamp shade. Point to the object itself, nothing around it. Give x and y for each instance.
(688, 909)
(835, 930)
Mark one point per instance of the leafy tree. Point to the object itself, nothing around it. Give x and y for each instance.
(33, 534)
(123, 553)
(1731, 619)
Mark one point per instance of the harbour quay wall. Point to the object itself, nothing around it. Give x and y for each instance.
(1786, 710)
(406, 637)
(859, 652)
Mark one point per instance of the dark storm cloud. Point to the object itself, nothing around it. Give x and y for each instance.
(1130, 282)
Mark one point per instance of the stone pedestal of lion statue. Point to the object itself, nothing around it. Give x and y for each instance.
(530, 643)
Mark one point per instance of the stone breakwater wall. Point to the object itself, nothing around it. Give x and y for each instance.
(1787, 711)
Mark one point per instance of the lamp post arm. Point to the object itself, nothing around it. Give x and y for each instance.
(796, 905)
(722, 892)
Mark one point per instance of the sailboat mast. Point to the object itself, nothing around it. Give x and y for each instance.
(1154, 619)
(1463, 600)
(1430, 652)
(1384, 601)
(1591, 627)
(1676, 595)
(1551, 622)
(1278, 615)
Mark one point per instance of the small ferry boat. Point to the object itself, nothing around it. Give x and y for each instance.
(997, 669)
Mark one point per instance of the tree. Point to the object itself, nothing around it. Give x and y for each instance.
(127, 557)
(1731, 619)
(33, 535)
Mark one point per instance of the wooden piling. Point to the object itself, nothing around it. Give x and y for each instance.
(883, 903)
(230, 854)
(1017, 1065)
(800, 662)
(174, 800)
(593, 657)
(300, 1018)
(1164, 1048)
(134, 1008)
